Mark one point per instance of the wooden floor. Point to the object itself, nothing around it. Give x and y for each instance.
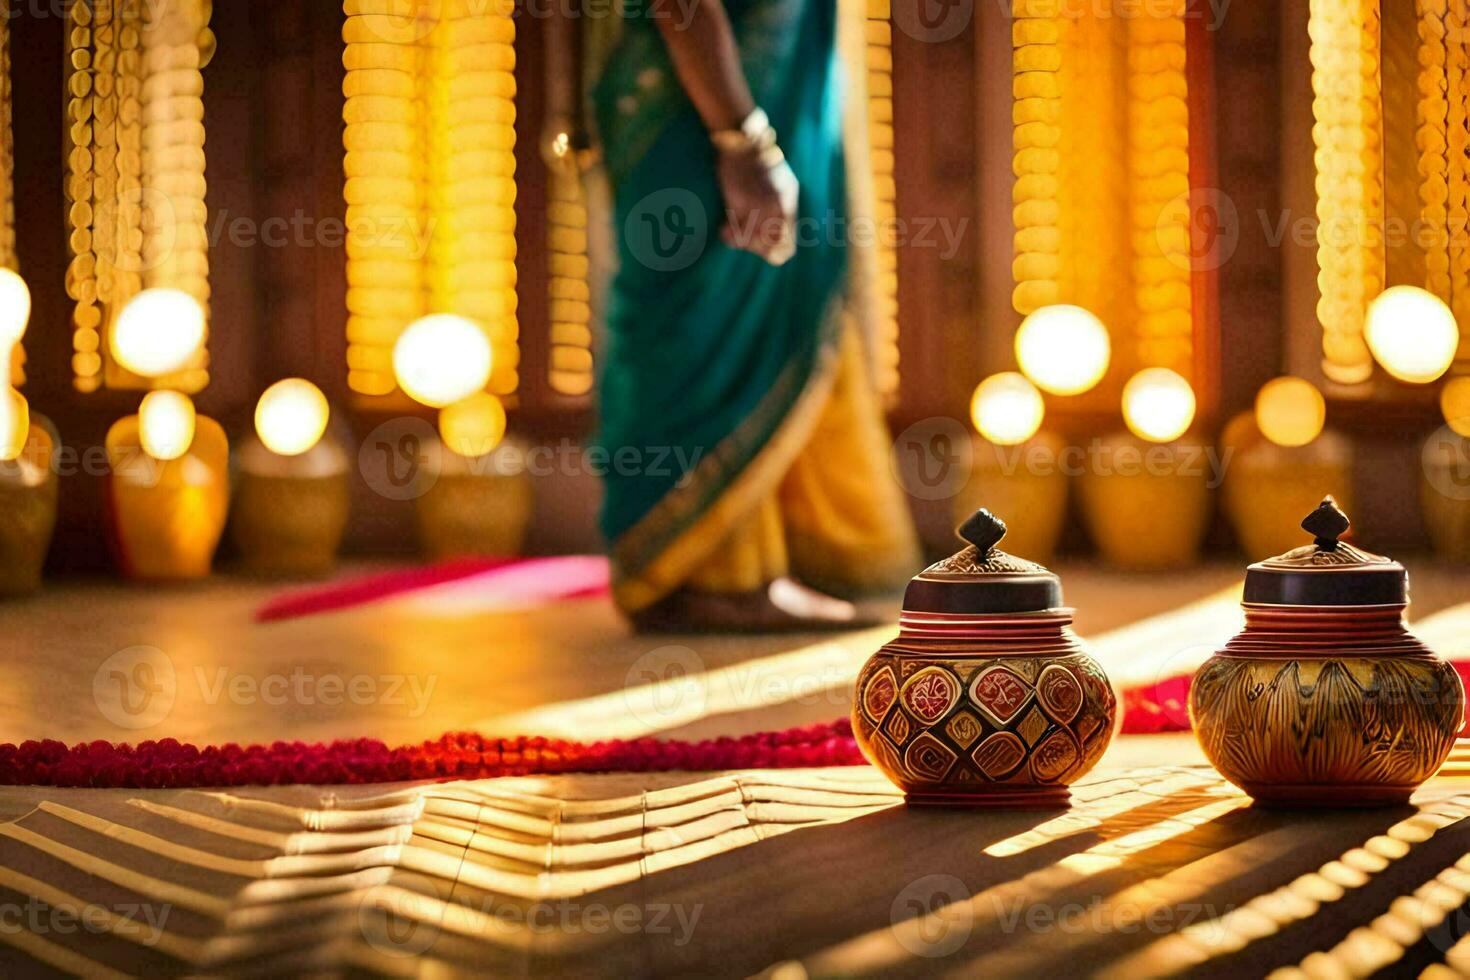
(1160, 868)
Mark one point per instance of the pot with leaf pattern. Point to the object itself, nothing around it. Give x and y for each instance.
(1326, 698)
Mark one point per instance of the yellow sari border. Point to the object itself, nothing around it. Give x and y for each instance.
(674, 564)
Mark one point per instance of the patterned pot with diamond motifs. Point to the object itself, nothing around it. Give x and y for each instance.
(986, 697)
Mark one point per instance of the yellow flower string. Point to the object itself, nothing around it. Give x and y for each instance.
(1431, 116)
(134, 170)
(1158, 132)
(1036, 117)
(430, 164)
(386, 189)
(8, 257)
(570, 371)
(1350, 270)
(879, 34)
(176, 45)
(1457, 133)
(472, 188)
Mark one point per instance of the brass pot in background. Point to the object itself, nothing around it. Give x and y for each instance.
(475, 506)
(1026, 480)
(166, 517)
(1146, 505)
(1444, 494)
(1268, 487)
(28, 491)
(289, 512)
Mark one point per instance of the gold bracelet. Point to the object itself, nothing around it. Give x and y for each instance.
(754, 133)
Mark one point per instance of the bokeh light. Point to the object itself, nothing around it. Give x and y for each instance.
(1158, 405)
(1007, 409)
(474, 426)
(1290, 411)
(158, 332)
(291, 416)
(15, 423)
(1412, 333)
(1064, 349)
(441, 359)
(166, 424)
(15, 308)
(1454, 402)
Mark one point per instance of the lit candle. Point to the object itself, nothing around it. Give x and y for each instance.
(157, 332)
(27, 494)
(1281, 463)
(477, 499)
(291, 495)
(1145, 494)
(1016, 466)
(442, 359)
(1412, 334)
(1064, 349)
(169, 488)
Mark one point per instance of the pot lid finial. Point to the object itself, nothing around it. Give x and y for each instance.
(982, 579)
(1327, 523)
(983, 530)
(1327, 572)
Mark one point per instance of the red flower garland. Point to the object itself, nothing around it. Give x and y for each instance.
(168, 763)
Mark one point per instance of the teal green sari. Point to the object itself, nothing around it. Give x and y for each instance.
(716, 363)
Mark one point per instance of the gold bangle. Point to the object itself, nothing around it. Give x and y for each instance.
(754, 132)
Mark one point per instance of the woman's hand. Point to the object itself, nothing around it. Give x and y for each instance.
(760, 203)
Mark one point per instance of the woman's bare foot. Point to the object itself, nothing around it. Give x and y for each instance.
(783, 606)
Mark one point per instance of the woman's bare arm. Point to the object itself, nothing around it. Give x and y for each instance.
(702, 46)
(759, 189)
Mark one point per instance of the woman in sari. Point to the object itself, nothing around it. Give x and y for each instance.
(733, 344)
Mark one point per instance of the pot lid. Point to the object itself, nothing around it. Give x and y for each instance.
(983, 579)
(1327, 572)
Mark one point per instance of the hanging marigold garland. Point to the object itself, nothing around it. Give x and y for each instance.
(570, 371)
(135, 171)
(1431, 140)
(1456, 19)
(1036, 118)
(1100, 103)
(1348, 137)
(1158, 159)
(879, 49)
(8, 258)
(430, 164)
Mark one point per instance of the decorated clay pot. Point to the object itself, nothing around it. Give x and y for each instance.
(1326, 698)
(288, 513)
(986, 698)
